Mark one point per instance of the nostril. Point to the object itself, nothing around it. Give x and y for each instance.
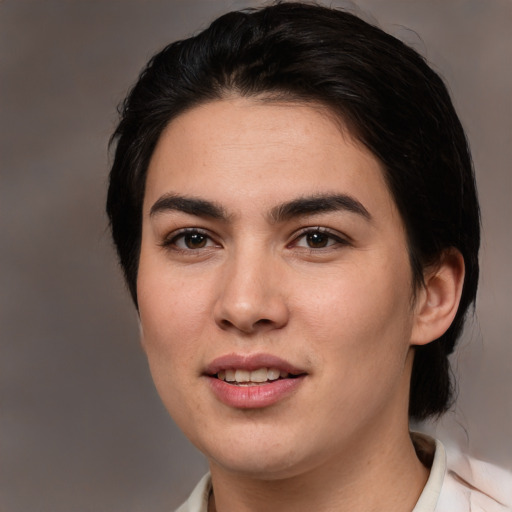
(264, 321)
(246, 327)
(226, 324)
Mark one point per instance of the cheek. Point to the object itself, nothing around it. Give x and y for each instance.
(169, 328)
(362, 340)
(172, 318)
(360, 316)
(173, 312)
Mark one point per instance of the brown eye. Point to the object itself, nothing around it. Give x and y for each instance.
(317, 240)
(195, 240)
(189, 240)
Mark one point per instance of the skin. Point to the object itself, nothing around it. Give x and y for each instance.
(345, 313)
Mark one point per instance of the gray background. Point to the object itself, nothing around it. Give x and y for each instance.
(81, 428)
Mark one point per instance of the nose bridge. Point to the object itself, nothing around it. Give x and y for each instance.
(250, 297)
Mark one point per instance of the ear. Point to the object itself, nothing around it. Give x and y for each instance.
(438, 299)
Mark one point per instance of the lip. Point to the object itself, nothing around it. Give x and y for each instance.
(254, 396)
(250, 362)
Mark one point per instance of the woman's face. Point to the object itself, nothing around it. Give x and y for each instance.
(274, 287)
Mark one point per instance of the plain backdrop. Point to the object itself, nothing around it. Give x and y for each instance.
(81, 427)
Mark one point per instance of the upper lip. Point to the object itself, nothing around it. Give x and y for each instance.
(250, 362)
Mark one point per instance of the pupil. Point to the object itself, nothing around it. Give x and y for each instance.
(195, 241)
(317, 240)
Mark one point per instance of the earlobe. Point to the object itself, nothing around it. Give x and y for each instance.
(438, 300)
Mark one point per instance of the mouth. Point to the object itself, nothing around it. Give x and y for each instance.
(253, 381)
(241, 377)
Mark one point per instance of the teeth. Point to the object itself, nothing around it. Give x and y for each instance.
(274, 374)
(256, 376)
(259, 375)
(242, 376)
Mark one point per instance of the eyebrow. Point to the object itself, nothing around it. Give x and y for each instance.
(317, 204)
(301, 207)
(190, 205)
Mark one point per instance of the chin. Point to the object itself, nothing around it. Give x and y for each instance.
(258, 457)
(264, 467)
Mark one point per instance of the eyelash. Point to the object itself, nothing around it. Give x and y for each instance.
(171, 241)
(332, 240)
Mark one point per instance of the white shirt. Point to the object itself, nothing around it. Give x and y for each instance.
(456, 484)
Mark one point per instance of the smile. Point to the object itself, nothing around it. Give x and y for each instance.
(253, 381)
(252, 378)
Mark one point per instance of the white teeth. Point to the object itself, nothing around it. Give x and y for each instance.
(257, 376)
(242, 376)
(274, 374)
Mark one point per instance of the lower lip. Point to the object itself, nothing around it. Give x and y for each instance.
(254, 397)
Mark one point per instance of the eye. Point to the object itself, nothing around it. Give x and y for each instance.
(189, 240)
(318, 238)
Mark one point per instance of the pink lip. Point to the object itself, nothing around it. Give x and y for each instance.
(250, 363)
(255, 396)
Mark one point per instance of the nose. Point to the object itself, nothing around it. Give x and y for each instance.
(251, 297)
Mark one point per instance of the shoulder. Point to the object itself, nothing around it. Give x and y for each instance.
(474, 485)
(460, 483)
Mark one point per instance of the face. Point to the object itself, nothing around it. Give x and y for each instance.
(274, 287)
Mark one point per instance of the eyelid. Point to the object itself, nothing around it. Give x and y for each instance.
(340, 238)
(170, 239)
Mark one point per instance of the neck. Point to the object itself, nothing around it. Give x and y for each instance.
(372, 476)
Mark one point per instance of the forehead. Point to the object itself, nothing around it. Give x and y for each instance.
(250, 152)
